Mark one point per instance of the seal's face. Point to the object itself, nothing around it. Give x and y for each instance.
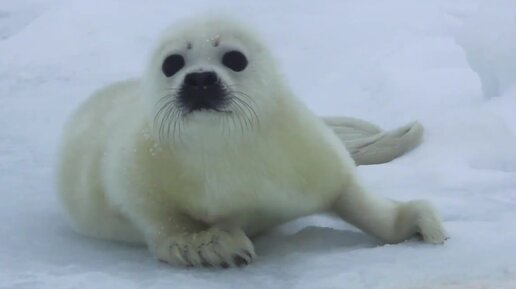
(202, 88)
(211, 76)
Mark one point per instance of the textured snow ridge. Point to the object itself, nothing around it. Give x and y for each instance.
(450, 64)
(490, 52)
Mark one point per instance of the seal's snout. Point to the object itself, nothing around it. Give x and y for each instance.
(201, 80)
(202, 91)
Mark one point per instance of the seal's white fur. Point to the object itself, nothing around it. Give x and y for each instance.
(194, 189)
(368, 144)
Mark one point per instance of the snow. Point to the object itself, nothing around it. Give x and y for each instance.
(449, 64)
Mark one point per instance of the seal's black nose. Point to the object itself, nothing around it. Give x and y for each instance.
(201, 80)
(202, 90)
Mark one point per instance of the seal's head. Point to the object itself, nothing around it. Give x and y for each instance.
(210, 77)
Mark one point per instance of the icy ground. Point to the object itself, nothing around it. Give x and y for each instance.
(449, 64)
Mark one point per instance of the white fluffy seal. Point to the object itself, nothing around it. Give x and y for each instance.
(210, 148)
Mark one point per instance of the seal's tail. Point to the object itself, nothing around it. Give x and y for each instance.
(368, 144)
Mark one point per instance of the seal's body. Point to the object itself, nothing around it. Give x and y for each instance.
(211, 147)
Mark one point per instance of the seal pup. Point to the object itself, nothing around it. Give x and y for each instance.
(210, 148)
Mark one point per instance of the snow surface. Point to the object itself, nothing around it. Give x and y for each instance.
(449, 64)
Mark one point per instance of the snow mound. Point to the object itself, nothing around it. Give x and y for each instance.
(488, 37)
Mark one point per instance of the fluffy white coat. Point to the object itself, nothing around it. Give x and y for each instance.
(196, 193)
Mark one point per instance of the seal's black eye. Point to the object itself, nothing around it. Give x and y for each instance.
(172, 64)
(235, 60)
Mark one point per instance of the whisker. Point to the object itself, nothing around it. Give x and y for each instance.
(166, 116)
(244, 101)
(170, 115)
(160, 118)
(248, 119)
(240, 111)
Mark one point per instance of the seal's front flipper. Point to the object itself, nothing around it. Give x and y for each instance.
(368, 144)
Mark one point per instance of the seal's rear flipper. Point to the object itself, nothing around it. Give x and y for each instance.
(368, 144)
